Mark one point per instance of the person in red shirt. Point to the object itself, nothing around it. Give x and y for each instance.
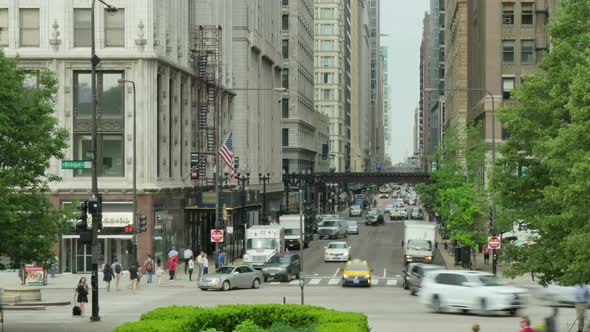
(486, 254)
(172, 266)
(525, 323)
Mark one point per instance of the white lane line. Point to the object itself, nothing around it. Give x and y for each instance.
(315, 281)
(274, 283)
(333, 281)
(384, 273)
(336, 273)
(294, 282)
(392, 282)
(397, 276)
(375, 281)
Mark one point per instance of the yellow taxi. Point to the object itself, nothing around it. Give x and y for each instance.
(356, 273)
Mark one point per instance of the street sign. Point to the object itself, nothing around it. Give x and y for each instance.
(229, 229)
(494, 242)
(216, 235)
(76, 164)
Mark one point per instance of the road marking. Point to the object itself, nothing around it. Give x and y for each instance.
(294, 282)
(397, 276)
(274, 283)
(336, 273)
(333, 281)
(384, 273)
(315, 281)
(375, 281)
(392, 282)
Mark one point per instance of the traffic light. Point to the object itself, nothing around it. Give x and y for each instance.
(83, 224)
(142, 224)
(129, 229)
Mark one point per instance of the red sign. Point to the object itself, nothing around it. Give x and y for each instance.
(194, 173)
(216, 235)
(494, 242)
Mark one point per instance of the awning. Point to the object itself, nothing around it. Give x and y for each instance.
(106, 236)
(212, 208)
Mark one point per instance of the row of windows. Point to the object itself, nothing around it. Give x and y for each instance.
(526, 13)
(527, 49)
(29, 33)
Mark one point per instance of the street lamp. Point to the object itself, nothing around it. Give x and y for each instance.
(94, 61)
(134, 241)
(243, 180)
(264, 180)
(493, 200)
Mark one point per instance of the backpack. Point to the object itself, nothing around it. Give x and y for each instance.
(149, 266)
(118, 268)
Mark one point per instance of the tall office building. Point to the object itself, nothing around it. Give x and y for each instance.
(423, 104)
(387, 116)
(332, 66)
(376, 128)
(436, 76)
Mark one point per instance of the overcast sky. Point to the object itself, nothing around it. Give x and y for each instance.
(404, 27)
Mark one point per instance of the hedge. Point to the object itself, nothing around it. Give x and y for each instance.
(226, 318)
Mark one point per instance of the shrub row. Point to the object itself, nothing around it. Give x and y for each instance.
(226, 318)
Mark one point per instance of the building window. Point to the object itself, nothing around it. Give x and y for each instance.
(508, 13)
(285, 2)
(285, 74)
(82, 33)
(111, 123)
(326, 45)
(327, 61)
(508, 51)
(507, 86)
(285, 22)
(285, 48)
(527, 13)
(3, 26)
(527, 48)
(285, 136)
(326, 29)
(29, 27)
(328, 78)
(115, 28)
(326, 12)
(328, 94)
(285, 105)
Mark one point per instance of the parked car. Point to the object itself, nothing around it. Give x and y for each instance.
(282, 266)
(355, 211)
(228, 277)
(470, 291)
(356, 273)
(413, 273)
(353, 226)
(333, 228)
(337, 252)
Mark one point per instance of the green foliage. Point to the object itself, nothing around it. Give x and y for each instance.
(29, 138)
(248, 326)
(160, 326)
(457, 191)
(266, 316)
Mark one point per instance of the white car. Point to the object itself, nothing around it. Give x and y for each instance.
(337, 252)
(470, 291)
(355, 211)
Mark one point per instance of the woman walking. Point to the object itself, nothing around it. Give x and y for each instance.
(149, 268)
(172, 266)
(108, 275)
(158, 271)
(191, 268)
(82, 294)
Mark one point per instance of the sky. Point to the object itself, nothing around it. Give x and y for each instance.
(404, 27)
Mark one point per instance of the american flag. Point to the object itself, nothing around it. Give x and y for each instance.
(226, 153)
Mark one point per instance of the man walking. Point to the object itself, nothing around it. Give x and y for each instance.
(582, 299)
(187, 255)
(149, 268)
(116, 267)
(205, 263)
(133, 276)
(220, 262)
(486, 254)
(199, 262)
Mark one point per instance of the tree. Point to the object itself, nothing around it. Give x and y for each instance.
(543, 176)
(29, 138)
(457, 192)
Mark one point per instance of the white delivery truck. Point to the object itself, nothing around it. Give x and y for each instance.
(262, 242)
(419, 241)
(290, 223)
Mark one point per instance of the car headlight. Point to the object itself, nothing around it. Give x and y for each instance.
(345, 276)
(215, 280)
(429, 258)
(368, 276)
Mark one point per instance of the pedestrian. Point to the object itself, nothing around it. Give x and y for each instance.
(205, 263)
(108, 275)
(159, 271)
(220, 262)
(551, 321)
(486, 254)
(82, 294)
(53, 269)
(172, 266)
(582, 299)
(475, 327)
(139, 275)
(149, 268)
(187, 255)
(172, 252)
(191, 267)
(199, 266)
(133, 274)
(525, 324)
(117, 269)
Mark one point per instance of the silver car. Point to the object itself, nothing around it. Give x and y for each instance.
(333, 228)
(353, 227)
(228, 277)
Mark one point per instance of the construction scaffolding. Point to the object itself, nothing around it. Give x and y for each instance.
(206, 54)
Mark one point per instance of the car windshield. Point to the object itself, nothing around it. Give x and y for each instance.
(337, 246)
(373, 212)
(357, 267)
(292, 231)
(278, 259)
(224, 270)
(419, 245)
(491, 281)
(355, 207)
(261, 244)
(352, 223)
(328, 223)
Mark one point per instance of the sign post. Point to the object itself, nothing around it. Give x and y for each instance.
(494, 243)
(216, 235)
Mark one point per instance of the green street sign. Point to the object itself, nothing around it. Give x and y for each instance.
(76, 164)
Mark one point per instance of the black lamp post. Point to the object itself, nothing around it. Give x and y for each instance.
(243, 180)
(264, 179)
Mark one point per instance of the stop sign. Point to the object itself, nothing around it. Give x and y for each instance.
(216, 235)
(494, 242)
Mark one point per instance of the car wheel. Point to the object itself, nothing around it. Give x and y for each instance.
(413, 291)
(405, 284)
(256, 283)
(203, 289)
(297, 275)
(226, 286)
(265, 279)
(483, 307)
(436, 304)
(512, 312)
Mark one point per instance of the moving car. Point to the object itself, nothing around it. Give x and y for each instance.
(337, 252)
(333, 228)
(555, 294)
(387, 210)
(470, 290)
(228, 277)
(396, 214)
(374, 217)
(356, 273)
(383, 196)
(353, 227)
(282, 266)
(355, 211)
(414, 273)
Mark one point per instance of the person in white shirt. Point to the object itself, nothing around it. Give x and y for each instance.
(172, 252)
(191, 267)
(205, 263)
(187, 255)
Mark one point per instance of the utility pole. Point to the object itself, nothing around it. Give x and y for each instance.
(301, 241)
(264, 179)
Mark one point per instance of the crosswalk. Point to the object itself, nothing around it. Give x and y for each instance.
(328, 281)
